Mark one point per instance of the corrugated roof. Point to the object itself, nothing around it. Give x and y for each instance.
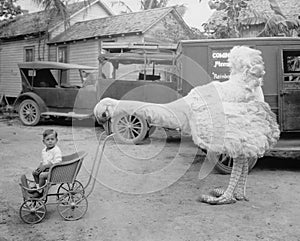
(290, 8)
(119, 24)
(34, 22)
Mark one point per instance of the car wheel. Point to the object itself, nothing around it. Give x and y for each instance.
(129, 128)
(224, 165)
(29, 112)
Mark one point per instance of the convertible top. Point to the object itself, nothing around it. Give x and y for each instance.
(53, 65)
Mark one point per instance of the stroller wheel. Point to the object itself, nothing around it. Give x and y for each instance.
(72, 206)
(32, 211)
(72, 188)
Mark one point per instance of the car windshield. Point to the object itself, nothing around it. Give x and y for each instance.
(56, 77)
(42, 77)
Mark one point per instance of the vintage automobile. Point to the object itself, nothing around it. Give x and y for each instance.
(46, 91)
(52, 89)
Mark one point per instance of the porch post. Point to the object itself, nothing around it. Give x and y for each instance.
(100, 59)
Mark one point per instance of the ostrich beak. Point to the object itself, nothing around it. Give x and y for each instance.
(107, 127)
(105, 121)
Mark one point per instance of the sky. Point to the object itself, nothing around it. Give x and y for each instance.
(196, 14)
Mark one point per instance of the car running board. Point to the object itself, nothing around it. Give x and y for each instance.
(69, 114)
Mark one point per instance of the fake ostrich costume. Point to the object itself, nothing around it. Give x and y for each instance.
(227, 117)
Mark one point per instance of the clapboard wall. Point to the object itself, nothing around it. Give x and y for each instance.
(12, 53)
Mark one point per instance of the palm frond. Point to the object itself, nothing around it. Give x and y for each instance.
(278, 25)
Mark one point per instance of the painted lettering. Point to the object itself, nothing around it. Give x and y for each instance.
(220, 76)
(221, 64)
(217, 55)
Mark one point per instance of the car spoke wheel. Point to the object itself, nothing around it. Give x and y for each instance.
(29, 113)
(32, 211)
(130, 128)
(225, 163)
(72, 206)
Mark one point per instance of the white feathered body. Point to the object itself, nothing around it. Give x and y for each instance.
(229, 118)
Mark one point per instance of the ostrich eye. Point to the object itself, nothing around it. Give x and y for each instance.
(104, 114)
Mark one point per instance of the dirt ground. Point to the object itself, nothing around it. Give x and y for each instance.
(146, 192)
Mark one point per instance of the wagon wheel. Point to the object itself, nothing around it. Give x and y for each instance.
(130, 128)
(224, 165)
(32, 211)
(75, 187)
(29, 112)
(72, 206)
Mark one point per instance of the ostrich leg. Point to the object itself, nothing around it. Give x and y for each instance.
(240, 190)
(228, 196)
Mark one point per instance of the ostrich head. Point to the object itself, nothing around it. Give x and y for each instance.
(103, 111)
(249, 62)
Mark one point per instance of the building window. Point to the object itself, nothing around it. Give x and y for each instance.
(62, 54)
(29, 54)
(291, 65)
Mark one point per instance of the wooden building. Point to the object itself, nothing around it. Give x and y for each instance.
(82, 41)
(25, 38)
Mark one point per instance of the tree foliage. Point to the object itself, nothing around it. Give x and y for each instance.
(9, 9)
(54, 8)
(239, 14)
(150, 4)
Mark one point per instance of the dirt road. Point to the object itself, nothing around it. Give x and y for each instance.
(147, 192)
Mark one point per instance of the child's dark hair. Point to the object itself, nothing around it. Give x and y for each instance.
(49, 132)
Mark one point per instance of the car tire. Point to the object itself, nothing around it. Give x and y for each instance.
(129, 129)
(29, 112)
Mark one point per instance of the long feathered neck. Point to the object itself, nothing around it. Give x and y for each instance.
(171, 115)
(247, 82)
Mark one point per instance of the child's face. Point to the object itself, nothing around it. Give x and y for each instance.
(50, 141)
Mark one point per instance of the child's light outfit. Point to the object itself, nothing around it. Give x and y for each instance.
(51, 156)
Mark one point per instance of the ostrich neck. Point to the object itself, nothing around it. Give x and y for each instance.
(173, 115)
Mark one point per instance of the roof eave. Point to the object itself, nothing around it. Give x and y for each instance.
(96, 37)
(23, 36)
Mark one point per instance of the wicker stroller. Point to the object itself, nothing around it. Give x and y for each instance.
(70, 196)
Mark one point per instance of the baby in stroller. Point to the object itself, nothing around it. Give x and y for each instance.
(51, 155)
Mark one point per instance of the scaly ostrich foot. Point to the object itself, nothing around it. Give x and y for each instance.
(223, 199)
(228, 196)
(238, 194)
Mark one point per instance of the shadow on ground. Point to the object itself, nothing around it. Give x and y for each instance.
(277, 163)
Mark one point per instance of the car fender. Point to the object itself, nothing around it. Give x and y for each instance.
(33, 96)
